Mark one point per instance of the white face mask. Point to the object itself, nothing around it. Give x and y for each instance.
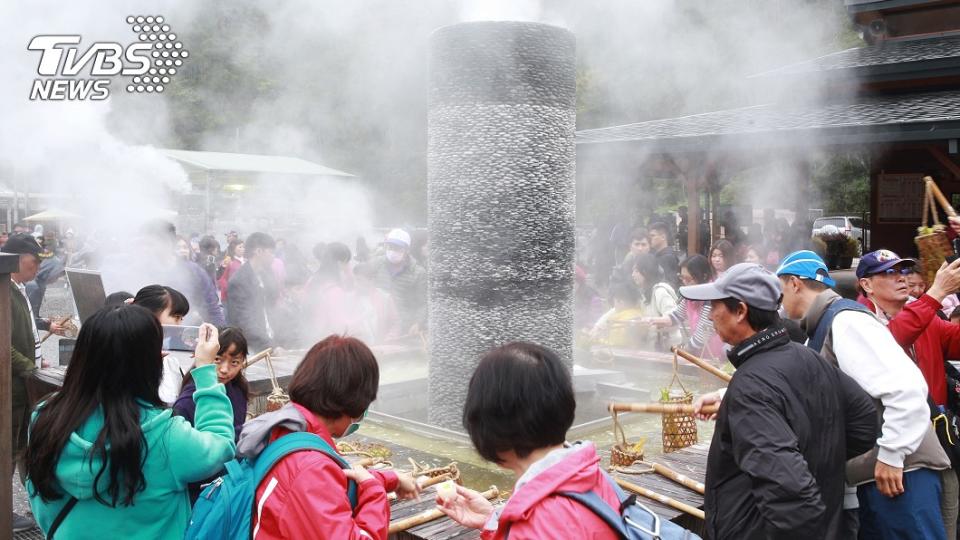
(394, 256)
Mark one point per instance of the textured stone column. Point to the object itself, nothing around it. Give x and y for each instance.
(501, 198)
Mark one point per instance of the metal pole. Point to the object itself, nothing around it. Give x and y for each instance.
(8, 265)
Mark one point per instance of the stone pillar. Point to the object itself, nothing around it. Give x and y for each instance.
(501, 198)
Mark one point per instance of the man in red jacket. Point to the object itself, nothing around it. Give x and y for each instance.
(926, 338)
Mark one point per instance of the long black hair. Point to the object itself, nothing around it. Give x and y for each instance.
(335, 254)
(116, 364)
(647, 266)
(230, 335)
(157, 298)
(699, 268)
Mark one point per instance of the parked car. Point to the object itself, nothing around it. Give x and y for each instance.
(852, 225)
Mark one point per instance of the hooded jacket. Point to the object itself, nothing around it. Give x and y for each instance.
(305, 494)
(176, 455)
(864, 349)
(786, 425)
(536, 511)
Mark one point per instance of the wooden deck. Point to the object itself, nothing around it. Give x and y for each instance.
(691, 462)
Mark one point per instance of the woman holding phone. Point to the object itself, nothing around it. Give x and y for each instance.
(106, 458)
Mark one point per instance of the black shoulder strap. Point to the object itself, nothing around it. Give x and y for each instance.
(826, 320)
(61, 516)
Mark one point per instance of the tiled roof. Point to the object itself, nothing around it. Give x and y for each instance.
(926, 116)
(941, 50)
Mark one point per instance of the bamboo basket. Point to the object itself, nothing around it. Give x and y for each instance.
(933, 244)
(679, 430)
(277, 397)
(624, 454)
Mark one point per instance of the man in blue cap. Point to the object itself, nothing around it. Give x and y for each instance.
(898, 482)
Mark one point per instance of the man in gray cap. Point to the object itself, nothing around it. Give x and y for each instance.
(786, 425)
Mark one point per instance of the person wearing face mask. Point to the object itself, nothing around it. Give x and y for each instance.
(304, 495)
(403, 278)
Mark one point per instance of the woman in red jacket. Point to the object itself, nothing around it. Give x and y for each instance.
(520, 404)
(305, 494)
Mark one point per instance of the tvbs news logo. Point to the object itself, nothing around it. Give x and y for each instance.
(146, 65)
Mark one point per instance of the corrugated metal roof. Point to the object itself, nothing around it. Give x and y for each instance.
(903, 54)
(925, 116)
(253, 163)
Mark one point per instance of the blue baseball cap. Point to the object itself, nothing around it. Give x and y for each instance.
(880, 260)
(806, 264)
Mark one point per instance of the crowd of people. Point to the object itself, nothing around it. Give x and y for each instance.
(839, 420)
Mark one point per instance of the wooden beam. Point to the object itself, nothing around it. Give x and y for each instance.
(693, 215)
(945, 160)
(8, 265)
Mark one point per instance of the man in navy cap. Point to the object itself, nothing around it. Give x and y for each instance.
(785, 426)
(928, 340)
(898, 481)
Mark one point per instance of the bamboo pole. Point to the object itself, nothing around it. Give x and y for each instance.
(429, 515)
(947, 207)
(662, 499)
(48, 334)
(257, 357)
(678, 478)
(660, 408)
(428, 481)
(702, 364)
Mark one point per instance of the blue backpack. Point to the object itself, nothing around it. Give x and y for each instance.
(225, 507)
(633, 520)
(826, 320)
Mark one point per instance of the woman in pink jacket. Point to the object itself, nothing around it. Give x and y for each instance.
(305, 494)
(520, 404)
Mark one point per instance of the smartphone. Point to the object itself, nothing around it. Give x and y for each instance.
(951, 258)
(180, 338)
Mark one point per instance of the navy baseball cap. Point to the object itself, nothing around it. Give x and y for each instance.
(806, 264)
(880, 260)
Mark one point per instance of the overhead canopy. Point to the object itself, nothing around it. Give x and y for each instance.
(52, 214)
(894, 118)
(936, 56)
(250, 163)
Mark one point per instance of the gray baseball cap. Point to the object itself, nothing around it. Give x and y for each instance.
(748, 282)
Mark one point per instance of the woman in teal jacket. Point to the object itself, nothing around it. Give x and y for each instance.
(107, 440)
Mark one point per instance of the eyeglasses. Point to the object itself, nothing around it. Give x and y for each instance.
(894, 271)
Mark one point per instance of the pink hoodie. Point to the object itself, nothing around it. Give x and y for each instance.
(534, 511)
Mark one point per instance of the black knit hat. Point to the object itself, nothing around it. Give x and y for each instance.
(22, 243)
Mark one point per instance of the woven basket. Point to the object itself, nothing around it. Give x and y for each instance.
(277, 398)
(679, 430)
(934, 246)
(623, 454)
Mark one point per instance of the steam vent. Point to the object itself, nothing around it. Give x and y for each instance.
(501, 198)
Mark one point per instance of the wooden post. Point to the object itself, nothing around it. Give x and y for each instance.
(8, 265)
(693, 215)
